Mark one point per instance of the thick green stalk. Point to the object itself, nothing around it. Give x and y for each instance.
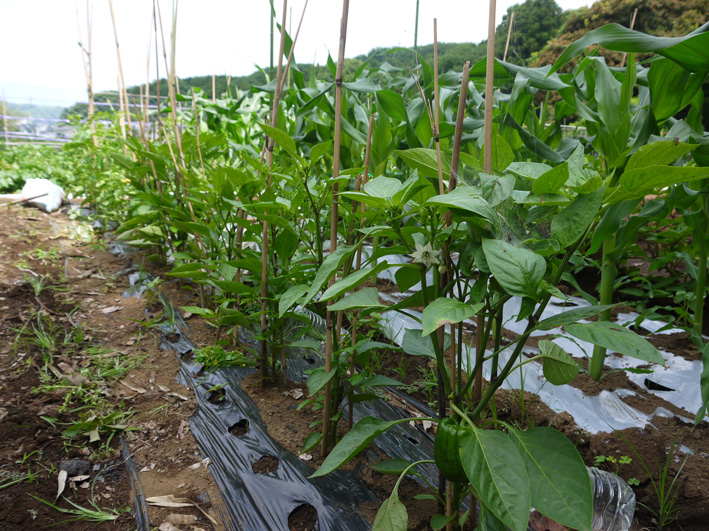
(608, 274)
(700, 290)
(440, 360)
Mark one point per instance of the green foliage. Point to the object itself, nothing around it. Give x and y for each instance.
(535, 23)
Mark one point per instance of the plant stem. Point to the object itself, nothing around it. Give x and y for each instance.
(608, 274)
(334, 218)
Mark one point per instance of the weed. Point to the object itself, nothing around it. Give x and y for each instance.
(215, 356)
(37, 283)
(95, 514)
(665, 486)
(613, 465)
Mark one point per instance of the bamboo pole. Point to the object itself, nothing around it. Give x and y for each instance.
(86, 55)
(452, 184)
(172, 87)
(214, 88)
(489, 87)
(359, 184)
(265, 229)
(416, 32)
(487, 166)
(292, 48)
(327, 436)
(509, 34)
(441, 332)
(122, 104)
(437, 111)
(157, 76)
(632, 25)
(4, 116)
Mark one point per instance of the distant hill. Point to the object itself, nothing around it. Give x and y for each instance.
(540, 33)
(664, 18)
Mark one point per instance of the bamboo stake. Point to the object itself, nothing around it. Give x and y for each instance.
(632, 24)
(416, 32)
(157, 77)
(509, 34)
(487, 166)
(86, 55)
(359, 184)
(452, 184)
(489, 87)
(122, 104)
(265, 230)
(172, 86)
(441, 332)
(4, 116)
(292, 48)
(214, 88)
(436, 111)
(325, 445)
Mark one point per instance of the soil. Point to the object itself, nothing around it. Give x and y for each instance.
(83, 288)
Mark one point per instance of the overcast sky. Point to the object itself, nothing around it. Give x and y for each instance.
(41, 60)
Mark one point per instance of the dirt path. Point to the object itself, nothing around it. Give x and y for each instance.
(75, 353)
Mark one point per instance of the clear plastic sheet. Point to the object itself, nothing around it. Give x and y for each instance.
(594, 414)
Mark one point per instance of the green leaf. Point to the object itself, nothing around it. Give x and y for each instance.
(319, 378)
(572, 316)
(691, 51)
(415, 345)
(562, 488)
(617, 338)
(383, 188)
(498, 473)
(559, 366)
(551, 181)
(320, 150)
(193, 228)
(364, 298)
(205, 312)
(407, 277)
(662, 152)
(391, 466)
(517, 270)
(502, 154)
(392, 104)
(356, 440)
(426, 161)
(378, 380)
(352, 281)
(392, 515)
(281, 138)
(465, 198)
(286, 244)
(364, 86)
(496, 189)
(529, 170)
(312, 441)
(328, 268)
(439, 521)
(572, 221)
(671, 87)
(290, 297)
(640, 181)
(489, 522)
(445, 311)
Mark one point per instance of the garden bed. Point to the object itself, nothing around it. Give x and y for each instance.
(164, 450)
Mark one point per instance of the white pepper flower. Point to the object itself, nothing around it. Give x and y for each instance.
(425, 254)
